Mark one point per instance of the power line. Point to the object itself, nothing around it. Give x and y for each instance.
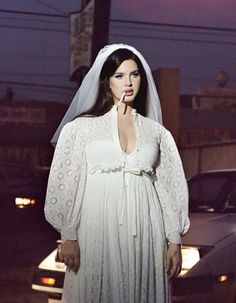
(120, 26)
(34, 20)
(173, 39)
(210, 28)
(32, 13)
(36, 85)
(49, 6)
(34, 28)
(123, 35)
(175, 31)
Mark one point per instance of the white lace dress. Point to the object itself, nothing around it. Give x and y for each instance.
(121, 207)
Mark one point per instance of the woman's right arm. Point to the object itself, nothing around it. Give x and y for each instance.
(66, 182)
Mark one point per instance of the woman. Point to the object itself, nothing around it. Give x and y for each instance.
(116, 190)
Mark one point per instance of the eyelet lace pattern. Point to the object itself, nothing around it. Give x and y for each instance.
(121, 208)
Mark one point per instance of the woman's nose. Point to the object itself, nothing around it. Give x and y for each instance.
(128, 82)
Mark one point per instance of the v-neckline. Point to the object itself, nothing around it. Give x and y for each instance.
(117, 134)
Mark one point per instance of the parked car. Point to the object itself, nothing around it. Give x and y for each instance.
(209, 248)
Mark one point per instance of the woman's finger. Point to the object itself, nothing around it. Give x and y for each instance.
(71, 262)
(75, 269)
(173, 271)
(167, 263)
(61, 257)
(77, 261)
(176, 268)
(179, 269)
(65, 260)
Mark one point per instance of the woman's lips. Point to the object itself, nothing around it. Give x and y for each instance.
(129, 92)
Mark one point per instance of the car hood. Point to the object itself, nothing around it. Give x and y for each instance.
(208, 229)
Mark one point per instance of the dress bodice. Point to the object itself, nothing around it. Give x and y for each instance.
(105, 154)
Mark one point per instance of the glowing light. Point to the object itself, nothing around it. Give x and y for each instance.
(223, 278)
(183, 272)
(20, 206)
(48, 281)
(22, 202)
(32, 202)
(190, 257)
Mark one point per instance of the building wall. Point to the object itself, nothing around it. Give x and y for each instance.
(208, 130)
(204, 127)
(168, 86)
(25, 151)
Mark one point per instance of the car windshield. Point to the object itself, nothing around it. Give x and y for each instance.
(212, 193)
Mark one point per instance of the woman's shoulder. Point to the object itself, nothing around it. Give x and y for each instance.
(75, 124)
(85, 121)
(154, 127)
(152, 124)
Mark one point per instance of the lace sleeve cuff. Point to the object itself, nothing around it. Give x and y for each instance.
(68, 234)
(174, 237)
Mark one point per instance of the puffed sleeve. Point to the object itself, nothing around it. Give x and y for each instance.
(66, 182)
(172, 188)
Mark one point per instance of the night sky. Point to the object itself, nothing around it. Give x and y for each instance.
(29, 55)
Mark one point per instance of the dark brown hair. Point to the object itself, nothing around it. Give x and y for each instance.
(104, 101)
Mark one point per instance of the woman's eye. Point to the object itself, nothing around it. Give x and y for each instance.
(136, 74)
(118, 76)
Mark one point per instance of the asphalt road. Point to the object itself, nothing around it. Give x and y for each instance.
(25, 240)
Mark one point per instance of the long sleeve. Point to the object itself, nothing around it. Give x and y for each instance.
(66, 182)
(172, 188)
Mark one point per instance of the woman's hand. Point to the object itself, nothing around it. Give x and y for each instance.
(173, 260)
(70, 255)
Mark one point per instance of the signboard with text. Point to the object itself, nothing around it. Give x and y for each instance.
(81, 34)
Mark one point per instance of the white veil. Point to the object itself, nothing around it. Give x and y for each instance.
(87, 93)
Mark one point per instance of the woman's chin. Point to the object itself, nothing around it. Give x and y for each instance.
(128, 102)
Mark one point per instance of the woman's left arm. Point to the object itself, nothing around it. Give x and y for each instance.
(172, 191)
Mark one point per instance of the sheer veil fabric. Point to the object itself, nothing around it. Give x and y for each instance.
(87, 93)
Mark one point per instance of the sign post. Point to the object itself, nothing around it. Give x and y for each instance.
(101, 25)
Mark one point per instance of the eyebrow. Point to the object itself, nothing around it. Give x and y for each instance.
(121, 73)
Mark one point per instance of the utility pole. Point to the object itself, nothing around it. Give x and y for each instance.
(101, 26)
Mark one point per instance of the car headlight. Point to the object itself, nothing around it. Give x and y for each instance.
(21, 202)
(190, 256)
(48, 281)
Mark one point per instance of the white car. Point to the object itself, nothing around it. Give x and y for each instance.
(209, 248)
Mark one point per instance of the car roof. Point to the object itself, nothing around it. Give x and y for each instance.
(219, 173)
(227, 170)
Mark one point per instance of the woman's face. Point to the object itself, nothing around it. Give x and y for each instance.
(125, 79)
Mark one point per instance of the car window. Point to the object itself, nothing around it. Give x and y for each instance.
(204, 192)
(229, 203)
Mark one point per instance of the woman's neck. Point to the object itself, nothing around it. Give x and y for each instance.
(125, 109)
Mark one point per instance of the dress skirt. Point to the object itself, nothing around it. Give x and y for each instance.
(122, 243)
